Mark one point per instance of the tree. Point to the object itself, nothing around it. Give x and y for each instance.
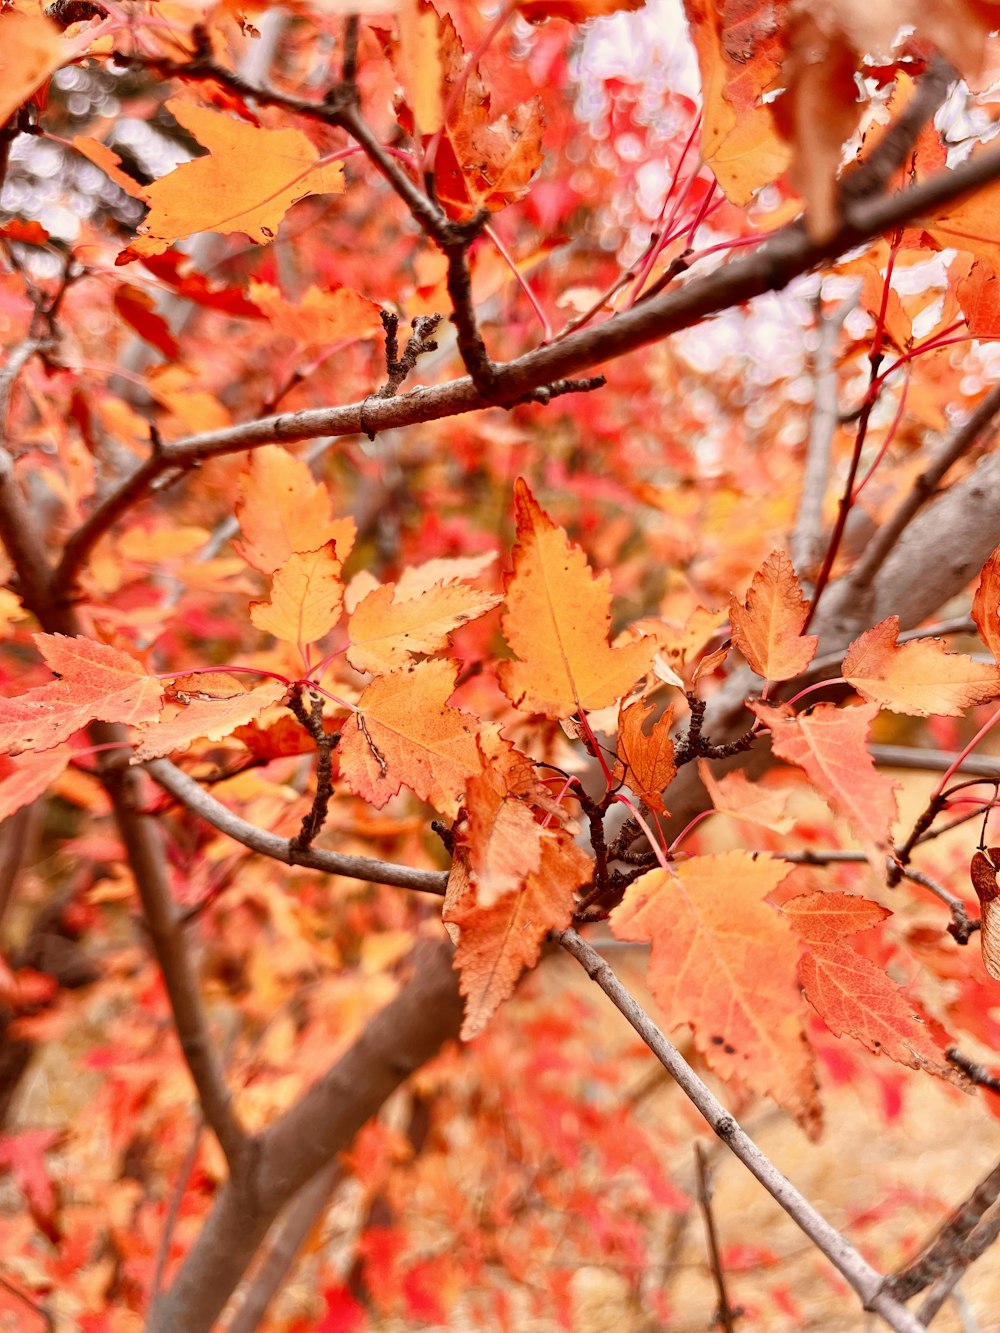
(555, 576)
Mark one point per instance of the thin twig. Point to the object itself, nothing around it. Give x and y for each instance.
(173, 1210)
(866, 1281)
(924, 487)
(196, 799)
(806, 542)
(726, 1315)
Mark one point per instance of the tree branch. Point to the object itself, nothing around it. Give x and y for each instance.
(869, 1284)
(786, 255)
(197, 800)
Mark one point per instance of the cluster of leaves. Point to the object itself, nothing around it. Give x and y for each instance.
(229, 667)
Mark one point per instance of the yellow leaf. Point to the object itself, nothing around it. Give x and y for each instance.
(306, 594)
(282, 508)
(318, 316)
(557, 621)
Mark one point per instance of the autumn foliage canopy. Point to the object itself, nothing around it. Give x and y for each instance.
(483, 487)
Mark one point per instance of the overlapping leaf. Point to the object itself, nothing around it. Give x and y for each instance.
(986, 604)
(767, 626)
(404, 734)
(849, 992)
(282, 508)
(207, 719)
(306, 597)
(497, 943)
(724, 962)
(735, 795)
(28, 775)
(920, 677)
(557, 621)
(97, 683)
(830, 745)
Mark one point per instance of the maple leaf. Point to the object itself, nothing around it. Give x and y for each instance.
(986, 602)
(306, 594)
(206, 719)
(282, 508)
(29, 775)
(920, 677)
(739, 140)
(387, 627)
(247, 181)
(830, 745)
(557, 620)
(97, 683)
(724, 962)
(735, 795)
(404, 734)
(138, 310)
(849, 992)
(767, 627)
(497, 943)
(645, 760)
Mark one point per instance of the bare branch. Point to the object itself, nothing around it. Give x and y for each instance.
(786, 255)
(190, 794)
(869, 1284)
(725, 1315)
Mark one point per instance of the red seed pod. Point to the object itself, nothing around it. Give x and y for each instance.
(985, 865)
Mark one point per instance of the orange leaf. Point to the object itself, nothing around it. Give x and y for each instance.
(27, 776)
(735, 795)
(830, 745)
(825, 918)
(920, 677)
(405, 734)
(645, 760)
(419, 66)
(986, 603)
(96, 683)
(319, 316)
(497, 943)
(724, 962)
(206, 719)
(31, 49)
(849, 992)
(247, 181)
(767, 627)
(282, 508)
(557, 621)
(979, 297)
(306, 593)
(386, 628)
